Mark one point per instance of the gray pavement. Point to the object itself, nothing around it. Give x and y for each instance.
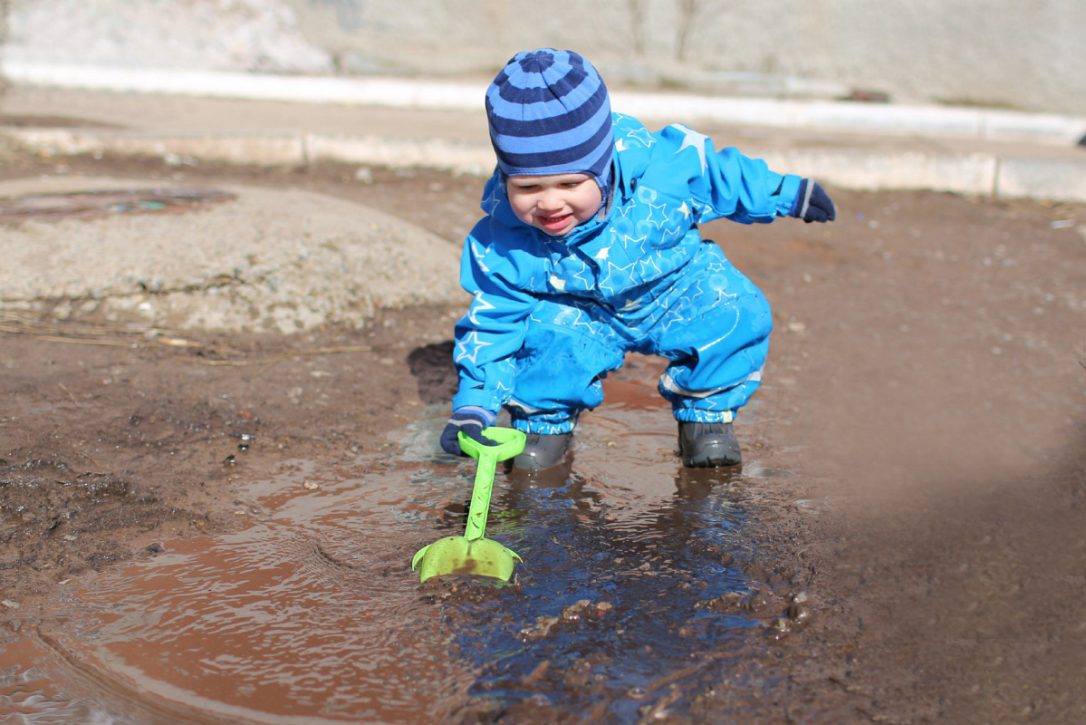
(286, 261)
(63, 121)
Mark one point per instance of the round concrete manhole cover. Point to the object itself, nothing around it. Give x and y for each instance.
(97, 203)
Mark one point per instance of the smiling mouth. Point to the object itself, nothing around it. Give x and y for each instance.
(553, 222)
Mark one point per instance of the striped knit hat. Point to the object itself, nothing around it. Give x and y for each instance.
(549, 113)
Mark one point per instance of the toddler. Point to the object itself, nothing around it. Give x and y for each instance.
(589, 248)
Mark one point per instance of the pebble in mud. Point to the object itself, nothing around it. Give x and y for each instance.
(755, 602)
(780, 627)
(541, 628)
(575, 611)
(581, 609)
(728, 602)
(799, 611)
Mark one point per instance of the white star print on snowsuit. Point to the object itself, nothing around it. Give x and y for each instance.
(552, 316)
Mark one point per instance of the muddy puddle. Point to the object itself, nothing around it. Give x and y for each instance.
(632, 594)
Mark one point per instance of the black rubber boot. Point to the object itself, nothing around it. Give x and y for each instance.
(708, 445)
(543, 451)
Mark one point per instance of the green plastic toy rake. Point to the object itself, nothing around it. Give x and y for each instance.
(473, 553)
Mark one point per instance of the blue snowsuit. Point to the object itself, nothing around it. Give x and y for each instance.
(551, 316)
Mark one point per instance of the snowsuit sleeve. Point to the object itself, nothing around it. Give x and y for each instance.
(726, 183)
(493, 330)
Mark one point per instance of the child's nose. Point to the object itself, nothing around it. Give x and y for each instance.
(550, 201)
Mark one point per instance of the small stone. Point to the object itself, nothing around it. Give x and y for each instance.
(230, 460)
(9, 604)
(155, 548)
(754, 602)
(604, 607)
(70, 537)
(541, 629)
(798, 612)
(575, 611)
(796, 327)
(310, 486)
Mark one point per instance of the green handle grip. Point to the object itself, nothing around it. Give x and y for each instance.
(480, 496)
(508, 443)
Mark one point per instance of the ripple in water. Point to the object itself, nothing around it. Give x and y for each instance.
(312, 611)
(644, 544)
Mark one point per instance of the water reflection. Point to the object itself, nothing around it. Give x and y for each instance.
(311, 611)
(644, 566)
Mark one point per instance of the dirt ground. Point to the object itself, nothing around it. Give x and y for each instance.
(926, 383)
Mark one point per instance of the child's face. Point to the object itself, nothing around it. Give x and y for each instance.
(556, 203)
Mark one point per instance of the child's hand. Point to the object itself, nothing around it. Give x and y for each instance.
(813, 204)
(471, 420)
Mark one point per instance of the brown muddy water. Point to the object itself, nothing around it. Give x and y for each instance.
(632, 588)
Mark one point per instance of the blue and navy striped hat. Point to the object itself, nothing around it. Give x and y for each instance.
(549, 113)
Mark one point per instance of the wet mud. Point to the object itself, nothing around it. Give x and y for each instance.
(244, 509)
(632, 587)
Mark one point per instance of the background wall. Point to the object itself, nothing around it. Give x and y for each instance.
(1026, 54)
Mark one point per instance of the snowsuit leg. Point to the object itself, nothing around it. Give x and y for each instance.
(568, 348)
(716, 335)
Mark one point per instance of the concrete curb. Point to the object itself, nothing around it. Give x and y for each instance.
(977, 174)
(896, 120)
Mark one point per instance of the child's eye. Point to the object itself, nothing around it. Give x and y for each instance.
(571, 184)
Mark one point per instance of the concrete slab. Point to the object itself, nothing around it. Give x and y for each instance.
(865, 169)
(268, 261)
(263, 149)
(282, 133)
(463, 158)
(1056, 179)
(891, 119)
